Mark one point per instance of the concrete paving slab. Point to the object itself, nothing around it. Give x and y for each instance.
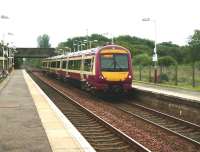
(20, 128)
(62, 135)
(189, 95)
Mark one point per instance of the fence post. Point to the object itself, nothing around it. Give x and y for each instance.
(149, 73)
(176, 74)
(140, 72)
(193, 74)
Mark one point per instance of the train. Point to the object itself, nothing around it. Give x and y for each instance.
(106, 68)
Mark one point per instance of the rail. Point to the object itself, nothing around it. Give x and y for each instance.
(182, 128)
(101, 135)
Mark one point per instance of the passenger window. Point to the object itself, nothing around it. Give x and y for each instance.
(58, 64)
(64, 63)
(88, 64)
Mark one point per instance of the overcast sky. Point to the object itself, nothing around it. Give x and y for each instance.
(62, 19)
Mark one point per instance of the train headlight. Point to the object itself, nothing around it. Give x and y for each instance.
(129, 76)
(101, 77)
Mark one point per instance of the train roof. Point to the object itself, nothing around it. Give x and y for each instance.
(79, 53)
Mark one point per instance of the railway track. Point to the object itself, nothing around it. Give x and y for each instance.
(182, 128)
(101, 135)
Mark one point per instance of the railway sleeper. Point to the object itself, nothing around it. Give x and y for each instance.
(83, 121)
(109, 144)
(192, 134)
(160, 121)
(103, 139)
(178, 128)
(96, 133)
(89, 125)
(84, 129)
(97, 127)
(197, 138)
(115, 149)
(76, 115)
(155, 119)
(100, 136)
(148, 116)
(73, 113)
(82, 118)
(170, 125)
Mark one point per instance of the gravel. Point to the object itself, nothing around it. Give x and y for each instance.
(150, 136)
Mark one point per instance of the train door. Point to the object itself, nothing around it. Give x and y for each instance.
(67, 67)
(82, 68)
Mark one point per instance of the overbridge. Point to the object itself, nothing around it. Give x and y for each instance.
(35, 52)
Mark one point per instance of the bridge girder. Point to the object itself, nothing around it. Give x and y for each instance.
(35, 52)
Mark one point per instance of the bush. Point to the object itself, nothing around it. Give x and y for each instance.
(197, 64)
(167, 61)
(142, 59)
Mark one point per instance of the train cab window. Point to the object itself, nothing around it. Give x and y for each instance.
(88, 64)
(114, 62)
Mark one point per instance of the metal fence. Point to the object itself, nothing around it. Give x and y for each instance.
(182, 75)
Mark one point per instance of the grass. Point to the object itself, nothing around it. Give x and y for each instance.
(184, 77)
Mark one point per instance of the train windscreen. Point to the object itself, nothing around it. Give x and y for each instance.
(114, 62)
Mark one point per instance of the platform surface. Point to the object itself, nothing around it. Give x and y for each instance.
(20, 127)
(30, 122)
(176, 92)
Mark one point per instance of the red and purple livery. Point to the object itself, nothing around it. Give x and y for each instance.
(103, 68)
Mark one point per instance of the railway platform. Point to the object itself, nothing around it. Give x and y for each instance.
(185, 94)
(31, 122)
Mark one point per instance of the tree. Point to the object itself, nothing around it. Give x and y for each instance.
(142, 60)
(167, 61)
(135, 45)
(194, 45)
(43, 41)
(170, 49)
(101, 40)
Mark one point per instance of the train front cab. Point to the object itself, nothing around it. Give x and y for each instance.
(114, 69)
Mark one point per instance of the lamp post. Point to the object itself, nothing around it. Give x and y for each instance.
(10, 58)
(74, 46)
(65, 49)
(87, 38)
(86, 42)
(112, 37)
(155, 56)
(3, 17)
(82, 45)
(90, 42)
(78, 47)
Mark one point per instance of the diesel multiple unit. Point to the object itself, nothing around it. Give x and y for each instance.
(102, 68)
